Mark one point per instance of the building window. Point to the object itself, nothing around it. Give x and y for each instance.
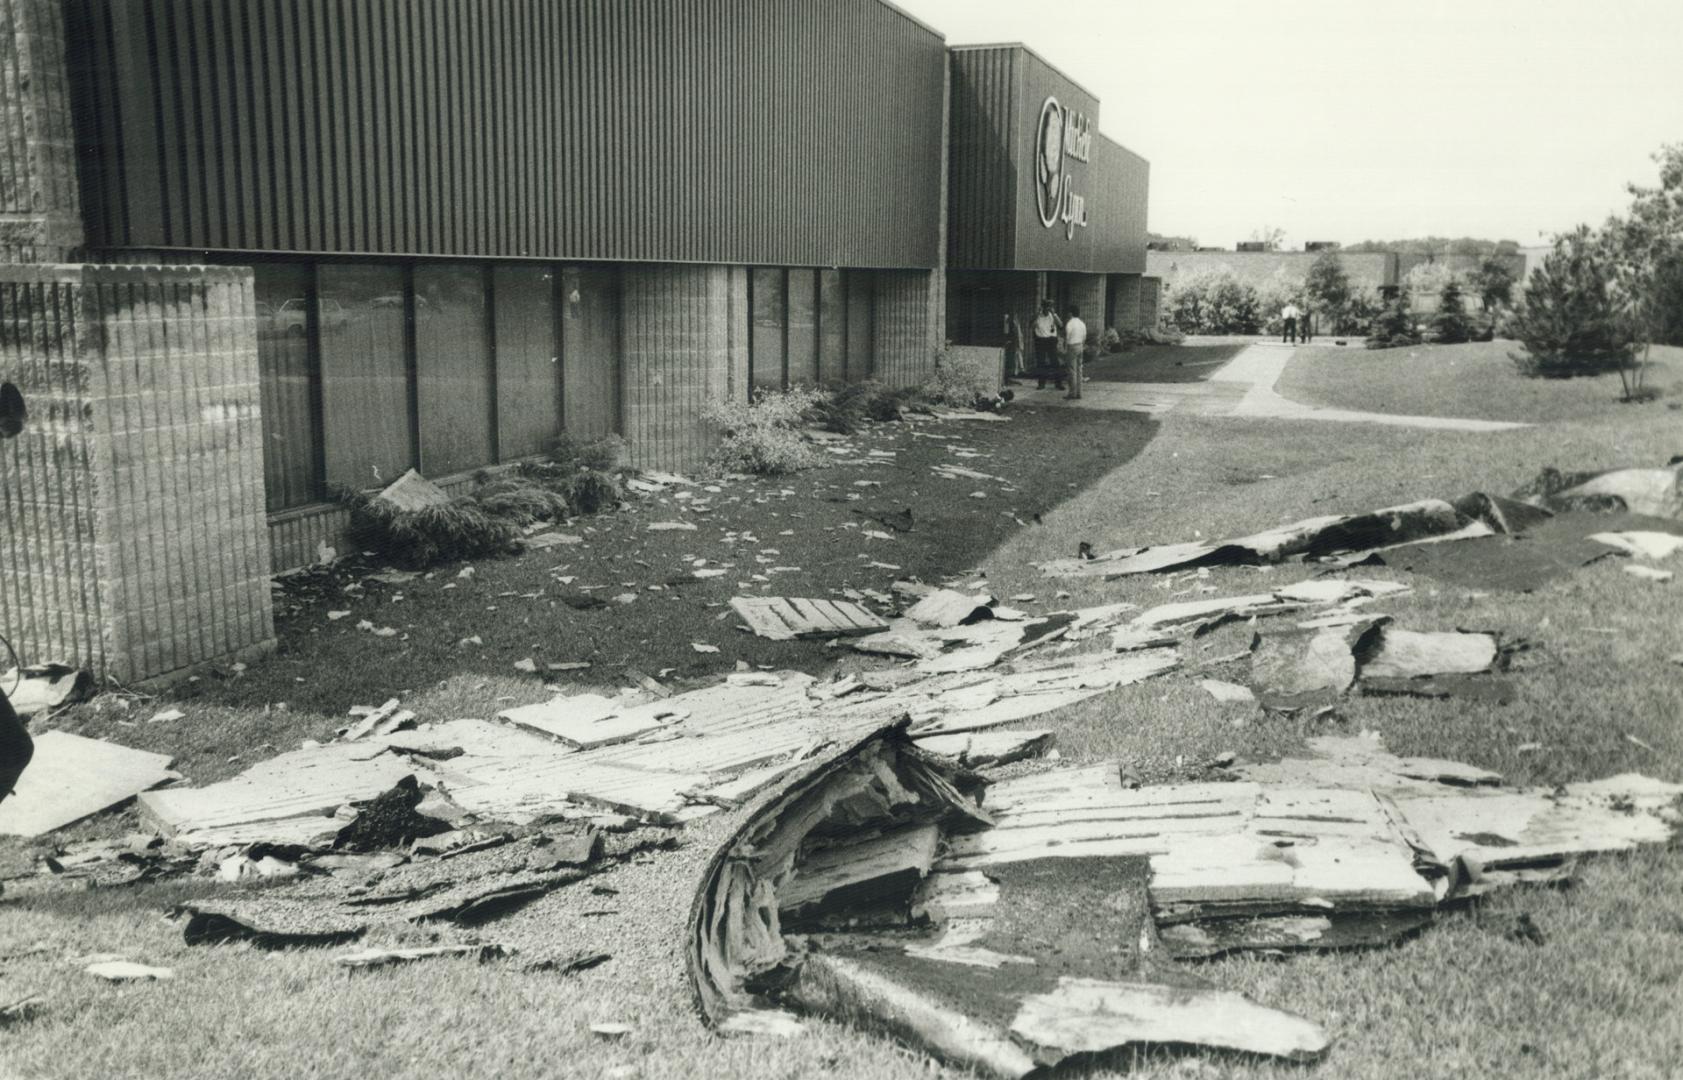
(768, 311)
(453, 373)
(528, 365)
(291, 418)
(367, 427)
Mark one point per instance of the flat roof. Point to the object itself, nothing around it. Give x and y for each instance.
(1019, 45)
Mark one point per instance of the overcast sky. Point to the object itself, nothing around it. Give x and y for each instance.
(1354, 119)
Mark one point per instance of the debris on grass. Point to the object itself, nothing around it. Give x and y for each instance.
(365, 959)
(784, 619)
(128, 971)
(71, 777)
(414, 523)
(39, 688)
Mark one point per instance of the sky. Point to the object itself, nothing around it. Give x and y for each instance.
(1350, 120)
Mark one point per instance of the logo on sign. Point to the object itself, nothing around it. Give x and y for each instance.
(1063, 135)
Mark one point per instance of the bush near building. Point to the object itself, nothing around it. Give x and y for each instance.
(764, 436)
(1215, 302)
(1450, 323)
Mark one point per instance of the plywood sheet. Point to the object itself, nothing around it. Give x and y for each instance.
(71, 777)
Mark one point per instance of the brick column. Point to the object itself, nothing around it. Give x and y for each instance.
(1151, 302)
(40, 198)
(1086, 291)
(1125, 302)
(135, 543)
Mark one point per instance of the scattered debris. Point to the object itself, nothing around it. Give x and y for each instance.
(1647, 545)
(364, 959)
(786, 618)
(1647, 573)
(672, 526)
(40, 687)
(71, 777)
(127, 971)
(1227, 692)
(389, 820)
(166, 716)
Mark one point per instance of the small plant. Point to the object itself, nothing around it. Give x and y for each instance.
(519, 499)
(587, 473)
(1450, 324)
(763, 436)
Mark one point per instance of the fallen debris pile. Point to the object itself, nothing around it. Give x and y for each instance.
(1006, 927)
(1476, 539)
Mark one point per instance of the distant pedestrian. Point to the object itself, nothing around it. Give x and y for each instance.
(1305, 326)
(1075, 345)
(1290, 314)
(1046, 330)
(1013, 343)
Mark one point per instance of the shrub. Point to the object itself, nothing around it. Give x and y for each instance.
(1394, 327)
(763, 436)
(1569, 321)
(1450, 324)
(1493, 283)
(1359, 312)
(959, 382)
(519, 499)
(1214, 302)
(1273, 299)
(459, 529)
(587, 473)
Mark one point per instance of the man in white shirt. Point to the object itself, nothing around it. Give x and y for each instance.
(1046, 328)
(1075, 345)
(1290, 314)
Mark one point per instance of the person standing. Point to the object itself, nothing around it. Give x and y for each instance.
(1013, 343)
(1290, 314)
(1075, 344)
(1046, 331)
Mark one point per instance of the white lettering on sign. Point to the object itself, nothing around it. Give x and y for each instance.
(1062, 135)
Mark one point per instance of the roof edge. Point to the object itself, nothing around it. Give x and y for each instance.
(1066, 76)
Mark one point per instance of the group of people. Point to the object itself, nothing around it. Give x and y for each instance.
(1060, 348)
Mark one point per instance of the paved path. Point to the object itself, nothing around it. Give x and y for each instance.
(1244, 386)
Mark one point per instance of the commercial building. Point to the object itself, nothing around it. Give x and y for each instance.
(361, 236)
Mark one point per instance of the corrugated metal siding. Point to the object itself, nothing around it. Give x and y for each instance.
(710, 131)
(1121, 182)
(1040, 247)
(984, 156)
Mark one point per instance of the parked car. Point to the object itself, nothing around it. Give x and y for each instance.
(292, 318)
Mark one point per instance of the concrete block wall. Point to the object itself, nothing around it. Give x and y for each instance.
(1260, 269)
(1125, 302)
(136, 542)
(1151, 302)
(40, 199)
(904, 330)
(1087, 292)
(676, 334)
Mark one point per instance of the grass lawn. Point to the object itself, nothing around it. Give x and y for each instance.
(1475, 381)
(1599, 998)
(1194, 361)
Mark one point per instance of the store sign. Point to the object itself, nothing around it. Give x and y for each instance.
(1063, 136)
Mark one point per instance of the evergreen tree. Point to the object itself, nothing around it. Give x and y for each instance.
(1494, 283)
(1394, 325)
(1450, 325)
(1570, 321)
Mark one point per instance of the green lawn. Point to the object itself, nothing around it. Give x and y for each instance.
(1598, 999)
(1192, 362)
(1476, 381)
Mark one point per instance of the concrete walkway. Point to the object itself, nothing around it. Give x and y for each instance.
(1244, 386)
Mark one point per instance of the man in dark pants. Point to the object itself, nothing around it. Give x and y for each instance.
(16, 747)
(1046, 331)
